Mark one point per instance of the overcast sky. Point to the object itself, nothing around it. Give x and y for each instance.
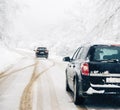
(38, 16)
(42, 13)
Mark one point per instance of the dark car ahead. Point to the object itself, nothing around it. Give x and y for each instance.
(41, 52)
(94, 69)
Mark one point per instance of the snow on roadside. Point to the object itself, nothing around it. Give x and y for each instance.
(7, 58)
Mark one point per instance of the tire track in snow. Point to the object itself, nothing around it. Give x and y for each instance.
(14, 71)
(47, 97)
(8, 71)
(26, 99)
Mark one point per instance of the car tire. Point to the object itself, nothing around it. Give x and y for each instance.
(67, 85)
(36, 56)
(77, 98)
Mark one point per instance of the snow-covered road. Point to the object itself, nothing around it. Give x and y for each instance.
(50, 89)
(12, 84)
(39, 84)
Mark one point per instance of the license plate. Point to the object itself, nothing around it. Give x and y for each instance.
(113, 80)
(41, 52)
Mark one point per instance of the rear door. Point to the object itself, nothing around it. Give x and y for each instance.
(75, 66)
(71, 67)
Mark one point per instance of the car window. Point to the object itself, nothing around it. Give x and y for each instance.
(85, 52)
(41, 48)
(80, 53)
(110, 54)
(106, 53)
(75, 54)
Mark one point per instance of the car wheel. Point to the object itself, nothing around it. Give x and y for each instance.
(36, 56)
(67, 85)
(77, 98)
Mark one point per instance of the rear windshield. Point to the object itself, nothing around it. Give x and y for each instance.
(41, 48)
(104, 53)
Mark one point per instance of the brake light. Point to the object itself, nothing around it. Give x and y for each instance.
(46, 51)
(116, 45)
(85, 69)
(37, 51)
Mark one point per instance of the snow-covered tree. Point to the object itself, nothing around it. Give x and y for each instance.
(107, 20)
(8, 9)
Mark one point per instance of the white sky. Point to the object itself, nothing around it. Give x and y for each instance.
(36, 17)
(41, 13)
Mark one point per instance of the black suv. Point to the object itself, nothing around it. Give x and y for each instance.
(94, 69)
(41, 52)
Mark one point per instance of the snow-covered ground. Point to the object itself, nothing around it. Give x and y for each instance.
(7, 58)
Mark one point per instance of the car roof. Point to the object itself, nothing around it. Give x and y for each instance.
(41, 48)
(107, 43)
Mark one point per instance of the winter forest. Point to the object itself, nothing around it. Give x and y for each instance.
(86, 21)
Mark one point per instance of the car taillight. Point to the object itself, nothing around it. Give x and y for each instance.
(37, 51)
(85, 69)
(46, 51)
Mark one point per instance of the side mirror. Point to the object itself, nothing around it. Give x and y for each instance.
(66, 59)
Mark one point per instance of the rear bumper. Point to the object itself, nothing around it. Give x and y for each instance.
(108, 89)
(42, 55)
(101, 84)
(105, 86)
(87, 89)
